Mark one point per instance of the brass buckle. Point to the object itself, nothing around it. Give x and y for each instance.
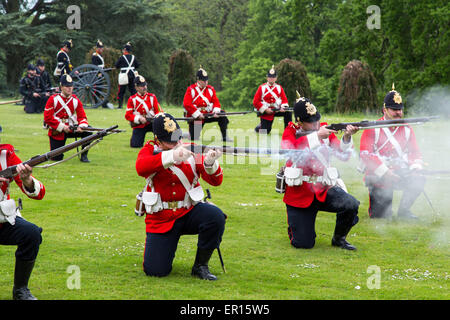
(313, 178)
(172, 205)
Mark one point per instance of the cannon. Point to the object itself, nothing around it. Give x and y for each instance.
(91, 84)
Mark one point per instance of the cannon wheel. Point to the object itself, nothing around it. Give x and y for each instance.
(91, 85)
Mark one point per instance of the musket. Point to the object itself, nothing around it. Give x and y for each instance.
(11, 171)
(91, 129)
(212, 115)
(9, 102)
(277, 112)
(365, 124)
(200, 149)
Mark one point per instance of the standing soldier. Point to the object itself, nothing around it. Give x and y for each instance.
(63, 112)
(390, 157)
(141, 109)
(127, 64)
(46, 83)
(63, 64)
(43, 74)
(15, 230)
(33, 91)
(311, 184)
(199, 99)
(269, 99)
(173, 200)
(97, 60)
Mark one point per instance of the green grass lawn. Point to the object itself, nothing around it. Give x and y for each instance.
(88, 220)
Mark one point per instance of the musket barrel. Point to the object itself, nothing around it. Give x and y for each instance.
(12, 170)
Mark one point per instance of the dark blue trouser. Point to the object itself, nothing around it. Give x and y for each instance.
(138, 137)
(24, 234)
(302, 221)
(205, 219)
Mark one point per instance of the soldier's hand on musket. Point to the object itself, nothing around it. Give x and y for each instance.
(24, 172)
(324, 133)
(269, 111)
(282, 109)
(67, 129)
(36, 95)
(181, 154)
(79, 129)
(201, 117)
(212, 156)
(142, 119)
(349, 131)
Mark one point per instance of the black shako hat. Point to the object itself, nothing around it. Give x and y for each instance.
(166, 128)
(140, 81)
(127, 46)
(68, 44)
(272, 73)
(202, 74)
(305, 111)
(99, 44)
(66, 81)
(393, 100)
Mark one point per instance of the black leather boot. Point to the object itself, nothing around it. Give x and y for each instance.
(22, 274)
(200, 268)
(84, 157)
(339, 238)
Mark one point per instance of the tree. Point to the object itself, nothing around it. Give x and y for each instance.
(292, 77)
(210, 31)
(357, 89)
(181, 75)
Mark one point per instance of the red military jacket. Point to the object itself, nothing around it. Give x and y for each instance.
(303, 195)
(197, 100)
(146, 106)
(59, 110)
(167, 184)
(9, 158)
(382, 149)
(268, 96)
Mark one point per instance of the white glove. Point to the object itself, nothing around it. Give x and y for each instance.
(211, 157)
(181, 154)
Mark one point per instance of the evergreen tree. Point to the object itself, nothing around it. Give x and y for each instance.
(292, 77)
(181, 75)
(357, 89)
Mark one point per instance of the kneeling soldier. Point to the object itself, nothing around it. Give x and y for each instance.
(313, 185)
(141, 109)
(173, 200)
(14, 230)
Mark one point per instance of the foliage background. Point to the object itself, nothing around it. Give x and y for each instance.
(237, 41)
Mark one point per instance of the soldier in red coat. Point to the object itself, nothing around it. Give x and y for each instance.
(269, 99)
(141, 107)
(312, 185)
(199, 99)
(15, 230)
(390, 157)
(63, 111)
(173, 200)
